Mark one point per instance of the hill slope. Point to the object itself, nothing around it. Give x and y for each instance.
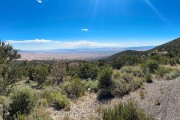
(172, 46)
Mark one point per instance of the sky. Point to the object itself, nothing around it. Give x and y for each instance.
(62, 24)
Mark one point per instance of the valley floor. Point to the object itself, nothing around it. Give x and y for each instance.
(161, 100)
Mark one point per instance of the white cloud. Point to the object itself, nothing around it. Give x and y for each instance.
(84, 29)
(73, 44)
(42, 44)
(39, 1)
(29, 41)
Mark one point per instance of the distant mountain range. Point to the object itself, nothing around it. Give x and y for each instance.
(75, 54)
(91, 50)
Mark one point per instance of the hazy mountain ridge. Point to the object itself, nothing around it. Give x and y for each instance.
(78, 53)
(172, 46)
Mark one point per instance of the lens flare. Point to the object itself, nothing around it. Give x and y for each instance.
(156, 11)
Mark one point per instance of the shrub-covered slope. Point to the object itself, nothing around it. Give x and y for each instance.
(172, 47)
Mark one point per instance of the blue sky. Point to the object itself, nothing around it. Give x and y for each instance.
(56, 24)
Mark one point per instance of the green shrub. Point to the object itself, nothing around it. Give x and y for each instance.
(162, 71)
(48, 95)
(105, 84)
(136, 83)
(120, 89)
(5, 101)
(91, 85)
(148, 78)
(172, 61)
(54, 98)
(125, 111)
(126, 69)
(117, 75)
(83, 70)
(74, 88)
(61, 102)
(39, 74)
(117, 64)
(173, 74)
(23, 100)
(127, 77)
(39, 113)
(42, 102)
(133, 70)
(105, 80)
(152, 65)
(105, 94)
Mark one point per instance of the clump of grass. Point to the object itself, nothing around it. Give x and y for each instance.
(54, 98)
(162, 71)
(61, 102)
(117, 75)
(125, 111)
(42, 102)
(172, 75)
(148, 78)
(74, 88)
(141, 94)
(39, 113)
(90, 85)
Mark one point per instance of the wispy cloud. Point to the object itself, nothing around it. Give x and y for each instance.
(42, 44)
(84, 29)
(29, 41)
(39, 1)
(73, 44)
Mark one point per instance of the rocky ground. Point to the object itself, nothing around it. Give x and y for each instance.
(161, 100)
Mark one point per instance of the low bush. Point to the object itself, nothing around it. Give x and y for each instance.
(148, 78)
(120, 89)
(105, 78)
(172, 75)
(141, 94)
(55, 99)
(136, 83)
(23, 100)
(91, 85)
(105, 94)
(48, 95)
(39, 113)
(133, 70)
(42, 103)
(125, 111)
(105, 84)
(5, 101)
(117, 75)
(127, 77)
(152, 66)
(162, 71)
(38, 74)
(61, 102)
(74, 88)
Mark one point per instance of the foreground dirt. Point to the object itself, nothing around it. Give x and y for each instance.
(161, 100)
(85, 108)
